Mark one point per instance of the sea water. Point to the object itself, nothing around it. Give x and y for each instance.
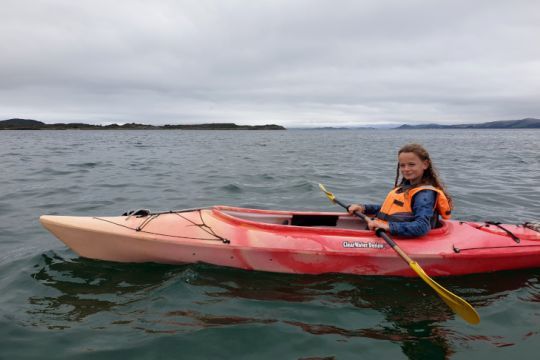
(54, 304)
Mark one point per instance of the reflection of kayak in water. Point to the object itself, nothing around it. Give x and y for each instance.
(294, 242)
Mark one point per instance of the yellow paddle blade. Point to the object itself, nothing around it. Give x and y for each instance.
(328, 193)
(457, 304)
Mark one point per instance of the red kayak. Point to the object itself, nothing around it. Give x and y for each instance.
(294, 242)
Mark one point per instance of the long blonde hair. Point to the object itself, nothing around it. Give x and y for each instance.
(430, 176)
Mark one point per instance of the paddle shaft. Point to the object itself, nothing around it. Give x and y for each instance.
(380, 233)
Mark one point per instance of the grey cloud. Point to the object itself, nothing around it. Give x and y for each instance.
(286, 62)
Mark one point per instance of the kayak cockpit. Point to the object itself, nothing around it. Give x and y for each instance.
(276, 220)
(286, 218)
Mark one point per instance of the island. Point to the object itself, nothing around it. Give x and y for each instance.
(528, 123)
(28, 124)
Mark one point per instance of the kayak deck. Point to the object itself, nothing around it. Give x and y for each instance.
(292, 242)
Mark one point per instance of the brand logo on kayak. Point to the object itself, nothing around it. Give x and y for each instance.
(363, 245)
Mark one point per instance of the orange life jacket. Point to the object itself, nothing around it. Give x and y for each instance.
(398, 204)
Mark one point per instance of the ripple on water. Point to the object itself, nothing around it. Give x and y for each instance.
(86, 165)
(232, 188)
(51, 172)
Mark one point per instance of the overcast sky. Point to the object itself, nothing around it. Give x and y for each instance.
(293, 63)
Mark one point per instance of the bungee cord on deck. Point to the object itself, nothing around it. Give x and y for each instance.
(151, 216)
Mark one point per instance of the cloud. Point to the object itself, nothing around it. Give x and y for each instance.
(295, 63)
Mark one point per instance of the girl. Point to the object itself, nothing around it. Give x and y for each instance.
(413, 207)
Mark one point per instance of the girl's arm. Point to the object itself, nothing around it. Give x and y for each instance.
(369, 209)
(372, 209)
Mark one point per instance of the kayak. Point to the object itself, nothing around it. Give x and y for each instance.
(296, 242)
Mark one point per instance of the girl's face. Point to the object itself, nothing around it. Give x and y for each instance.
(412, 167)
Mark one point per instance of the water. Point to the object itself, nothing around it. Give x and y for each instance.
(54, 304)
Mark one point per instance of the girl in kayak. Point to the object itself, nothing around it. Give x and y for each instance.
(413, 207)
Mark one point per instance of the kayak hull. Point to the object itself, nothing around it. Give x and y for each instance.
(293, 242)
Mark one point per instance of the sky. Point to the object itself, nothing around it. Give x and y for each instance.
(294, 63)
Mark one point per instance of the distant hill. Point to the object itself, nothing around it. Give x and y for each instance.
(25, 124)
(528, 123)
(20, 123)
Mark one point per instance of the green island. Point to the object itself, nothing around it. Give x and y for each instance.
(27, 124)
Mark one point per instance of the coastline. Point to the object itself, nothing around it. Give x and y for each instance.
(24, 124)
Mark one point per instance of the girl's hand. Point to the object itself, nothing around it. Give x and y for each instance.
(356, 207)
(377, 224)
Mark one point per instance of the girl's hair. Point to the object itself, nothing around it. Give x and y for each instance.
(431, 176)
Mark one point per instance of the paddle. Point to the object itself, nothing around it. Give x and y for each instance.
(457, 304)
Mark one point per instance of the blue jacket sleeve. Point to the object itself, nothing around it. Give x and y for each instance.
(423, 205)
(372, 209)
